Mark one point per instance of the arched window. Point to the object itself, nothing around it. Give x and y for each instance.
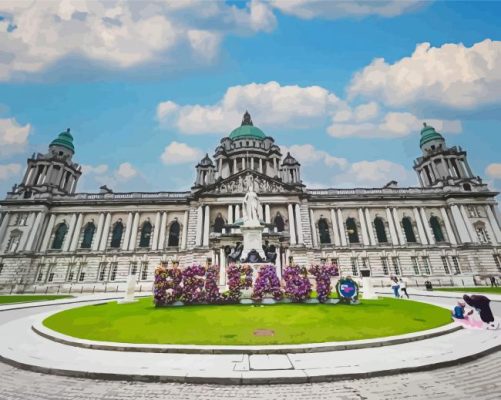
(174, 234)
(323, 231)
(144, 241)
(380, 230)
(15, 238)
(61, 231)
(467, 187)
(482, 234)
(116, 235)
(279, 222)
(89, 230)
(409, 231)
(437, 229)
(219, 223)
(351, 228)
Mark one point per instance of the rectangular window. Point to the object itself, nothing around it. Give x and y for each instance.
(445, 263)
(482, 235)
(41, 268)
(71, 272)
(133, 268)
(384, 262)
(455, 265)
(102, 271)
(82, 276)
(415, 265)
(144, 270)
(396, 265)
(365, 263)
(497, 261)
(1, 267)
(50, 272)
(354, 266)
(426, 265)
(113, 268)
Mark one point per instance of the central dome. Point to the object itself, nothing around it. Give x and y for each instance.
(247, 129)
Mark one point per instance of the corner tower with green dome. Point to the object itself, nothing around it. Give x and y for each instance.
(246, 148)
(53, 172)
(441, 165)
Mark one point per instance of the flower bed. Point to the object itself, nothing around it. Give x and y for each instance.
(198, 284)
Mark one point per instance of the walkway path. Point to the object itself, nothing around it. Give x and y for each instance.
(22, 346)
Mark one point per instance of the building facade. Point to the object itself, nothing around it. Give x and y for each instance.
(51, 236)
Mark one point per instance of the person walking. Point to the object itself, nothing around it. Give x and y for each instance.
(493, 281)
(395, 286)
(403, 287)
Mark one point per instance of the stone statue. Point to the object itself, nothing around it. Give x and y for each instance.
(250, 207)
(236, 252)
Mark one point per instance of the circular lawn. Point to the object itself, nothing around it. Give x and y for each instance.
(141, 322)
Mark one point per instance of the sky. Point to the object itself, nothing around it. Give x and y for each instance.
(148, 88)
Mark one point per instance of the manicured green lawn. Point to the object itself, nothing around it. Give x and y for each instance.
(482, 289)
(8, 299)
(141, 322)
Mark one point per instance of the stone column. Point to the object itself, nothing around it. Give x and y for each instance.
(24, 238)
(469, 226)
(237, 211)
(97, 237)
(106, 232)
(244, 164)
(161, 235)
(156, 231)
(222, 267)
(200, 221)
(363, 225)
(3, 227)
(69, 234)
(391, 226)
(184, 237)
(342, 230)
(400, 231)
(427, 227)
(464, 236)
(234, 165)
(420, 228)
(252, 163)
(494, 223)
(314, 236)
(206, 226)
(133, 235)
(368, 222)
(230, 214)
(33, 232)
(267, 214)
(260, 212)
(299, 224)
(76, 234)
(128, 230)
(292, 228)
(48, 233)
(261, 165)
(448, 227)
(335, 229)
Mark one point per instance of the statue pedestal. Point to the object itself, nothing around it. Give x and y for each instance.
(129, 294)
(253, 240)
(367, 289)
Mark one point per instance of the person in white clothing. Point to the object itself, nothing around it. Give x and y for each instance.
(403, 288)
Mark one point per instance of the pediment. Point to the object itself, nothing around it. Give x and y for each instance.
(239, 183)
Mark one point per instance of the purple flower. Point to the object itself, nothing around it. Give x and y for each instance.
(267, 282)
(297, 284)
(323, 274)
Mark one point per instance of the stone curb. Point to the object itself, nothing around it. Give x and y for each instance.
(55, 336)
(300, 376)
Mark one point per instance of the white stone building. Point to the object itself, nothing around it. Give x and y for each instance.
(53, 238)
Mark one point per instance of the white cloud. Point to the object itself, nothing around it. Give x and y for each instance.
(493, 171)
(270, 104)
(375, 174)
(308, 9)
(13, 136)
(9, 171)
(126, 171)
(451, 75)
(393, 124)
(180, 153)
(120, 34)
(307, 154)
(95, 169)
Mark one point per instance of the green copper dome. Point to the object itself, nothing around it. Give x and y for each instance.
(428, 133)
(247, 130)
(64, 140)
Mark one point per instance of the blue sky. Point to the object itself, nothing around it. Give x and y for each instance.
(147, 88)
